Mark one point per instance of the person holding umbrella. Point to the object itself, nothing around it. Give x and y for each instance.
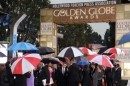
(44, 75)
(21, 80)
(117, 76)
(73, 74)
(85, 79)
(22, 66)
(61, 75)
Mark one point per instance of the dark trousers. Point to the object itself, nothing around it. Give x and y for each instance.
(73, 84)
(109, 82)
(99, 82)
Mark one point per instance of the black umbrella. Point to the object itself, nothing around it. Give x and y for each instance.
(42, 50)
(45, 50)
(53, 60)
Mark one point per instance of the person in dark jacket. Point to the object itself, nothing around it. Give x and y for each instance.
(117, 77)
(109, 73)
(10, 76)
(44, 74)
(21, 80)
(73, 74)
(61, 75)
(86, 79)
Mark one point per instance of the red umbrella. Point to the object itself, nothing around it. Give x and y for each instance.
(113, 56)
(102, 60)
(25, 64)
(90, 57)
(86, 51)
(114, 50)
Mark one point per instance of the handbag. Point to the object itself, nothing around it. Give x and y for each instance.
(44, 82)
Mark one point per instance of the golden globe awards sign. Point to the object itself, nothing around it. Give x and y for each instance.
(84, 12)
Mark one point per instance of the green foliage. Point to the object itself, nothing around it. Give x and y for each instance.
(30, 26)
(110, 35)
(77, 35)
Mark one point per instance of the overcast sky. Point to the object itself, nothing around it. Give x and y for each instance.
(100, 28)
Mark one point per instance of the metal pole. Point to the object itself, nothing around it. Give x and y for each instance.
(13, 31)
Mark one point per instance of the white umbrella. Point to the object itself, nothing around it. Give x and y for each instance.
(70, 52)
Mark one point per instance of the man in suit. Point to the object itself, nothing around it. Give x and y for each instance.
(74, 74)
(109, 73)
(117, 77)
(61, 75)
(44, 74)
(21, 80)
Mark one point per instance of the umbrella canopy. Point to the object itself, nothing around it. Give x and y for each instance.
(86, 51)
(124, 39)
(70, 52)
(2, 54)
(113, 56)
(83, 62)
(90, 57)
(25, 64)
(53, 60)
(114, 50)
(102, 60)
(22, 46)
(45, 50)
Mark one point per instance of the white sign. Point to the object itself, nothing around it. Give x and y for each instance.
(3, 52)
(85, 4)
(46, 28)
(122, 26)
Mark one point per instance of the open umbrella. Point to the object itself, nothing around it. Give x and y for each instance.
(2, 55)
(25, 63)
(102, 60)
(86, 51)
(70, 52)
(113, 56)
(53, 60)
(22, 46)
(83, 62)
(124, 39)
(45, 50)
(114, 50)
(90, 57)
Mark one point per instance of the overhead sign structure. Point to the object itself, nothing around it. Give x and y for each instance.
(86, 12)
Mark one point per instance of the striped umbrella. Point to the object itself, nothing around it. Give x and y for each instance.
(25, 64)
(70, 52)
(86, 51)
(102, 60)
(114, 50)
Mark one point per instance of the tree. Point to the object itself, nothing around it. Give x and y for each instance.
(78, 35)
(110, 35)
(27, 30)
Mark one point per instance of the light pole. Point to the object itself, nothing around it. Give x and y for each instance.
(59, 35)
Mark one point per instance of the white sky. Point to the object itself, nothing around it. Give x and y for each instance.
(100, 28)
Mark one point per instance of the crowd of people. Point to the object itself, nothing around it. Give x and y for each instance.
(48, 74)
